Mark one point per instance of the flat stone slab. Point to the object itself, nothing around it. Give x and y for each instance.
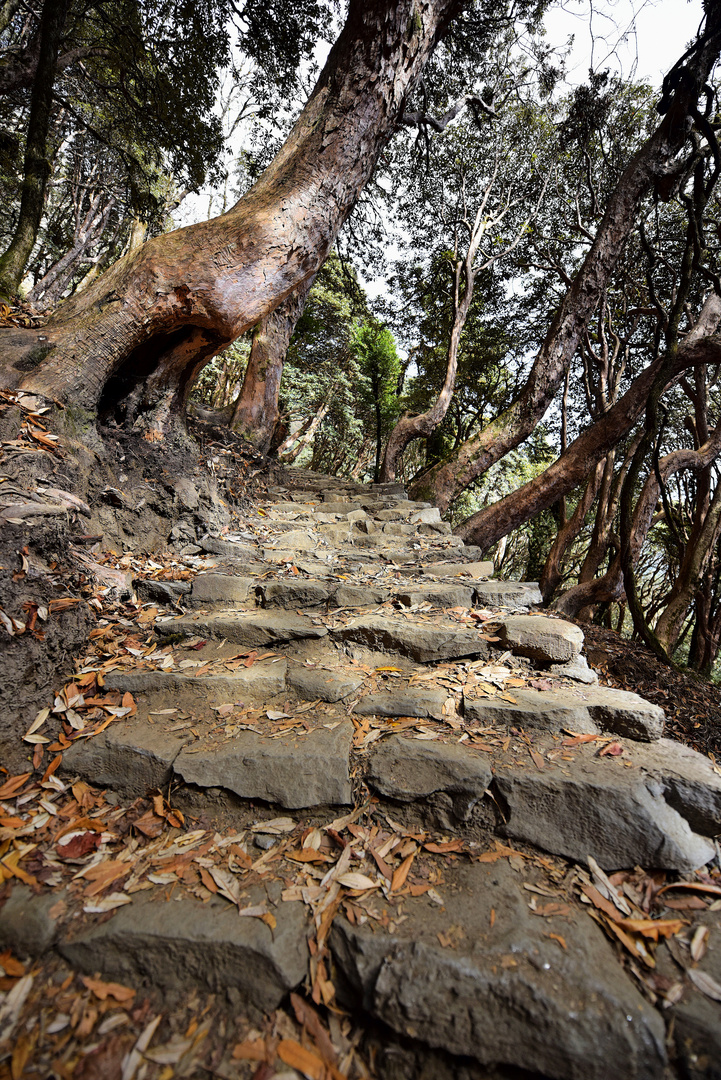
(599, 808)
(173, 943)
(409, 770)
(131, 757)
(359, 596)
(443, 596)
(293, 594)
(510, 594)
(324, 683)
(259, 682)
(216, 545)
(255, 629)
(541, 637)
(544, 710)
(296, 540)
(291, 770)
(221, 589)
(504, 992)
(482, 569)
(403, 702)
(423, 642)
(584, 710)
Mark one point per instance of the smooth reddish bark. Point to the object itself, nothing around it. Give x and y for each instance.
(255, 412)
(571, 469)
(169, 307)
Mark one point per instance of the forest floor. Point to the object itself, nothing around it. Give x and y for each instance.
(104, 540)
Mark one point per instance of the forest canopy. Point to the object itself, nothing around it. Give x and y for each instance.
(542, 361)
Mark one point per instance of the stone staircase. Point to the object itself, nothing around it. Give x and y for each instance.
(416, 769)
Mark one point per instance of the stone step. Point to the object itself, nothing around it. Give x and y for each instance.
(257, 629)
(422, 642)
(591, 710)
(640, 809)
(175, 944)
(502, 992)
(292, 771)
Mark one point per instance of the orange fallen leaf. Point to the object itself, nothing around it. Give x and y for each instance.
(207, 880)
(103, 990)
(443, 848)
(250, 1050)
(560, 939)
(292, 1053)
(400, 875)
(13, 784)
(695, 886)
(653, 928)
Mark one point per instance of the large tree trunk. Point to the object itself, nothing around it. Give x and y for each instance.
(552, 571)
(655, 166)
(494, 521)
(36, 165)
(611, 585)
(166, 309)
(255, 412)
(409, 428)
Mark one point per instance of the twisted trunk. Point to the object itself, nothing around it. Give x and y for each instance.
(154, 319)
(653, 167)
(36, 167)
(494, 521)
(255, 413)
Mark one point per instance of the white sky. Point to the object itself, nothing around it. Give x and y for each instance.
(604, 34)
(636, 37)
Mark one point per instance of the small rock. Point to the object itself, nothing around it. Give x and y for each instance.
(422, 642)
(298, 540)
(27, 926)
(544, 710)
(409, 770)
(187, 494)
(324, 683)
(426, 517)
(454, 569)
(576, 669)
(300, 593)
(220, 589)
(541, 637)
(510, 594)
(402, 703)
(131, 757)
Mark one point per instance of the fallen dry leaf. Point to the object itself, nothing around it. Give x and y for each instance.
(292, 1053)
(104, 990)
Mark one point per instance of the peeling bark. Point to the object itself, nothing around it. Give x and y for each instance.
(212, 281)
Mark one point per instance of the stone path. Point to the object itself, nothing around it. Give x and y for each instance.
(416, 770)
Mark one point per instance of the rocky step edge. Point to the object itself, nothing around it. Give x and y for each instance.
(486, 954)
